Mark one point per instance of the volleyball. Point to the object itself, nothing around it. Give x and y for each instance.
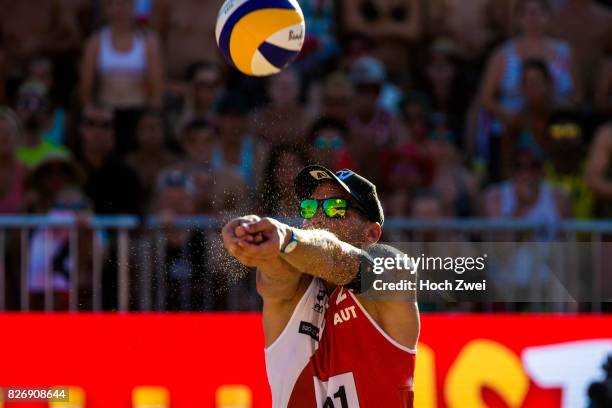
(260, 37)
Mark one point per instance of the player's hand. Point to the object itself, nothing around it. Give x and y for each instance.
(274, 235)
(235, 232)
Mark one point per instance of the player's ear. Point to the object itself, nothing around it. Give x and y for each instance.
(373, 232)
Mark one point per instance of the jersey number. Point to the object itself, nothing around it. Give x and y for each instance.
(341, 395)
(338, 392)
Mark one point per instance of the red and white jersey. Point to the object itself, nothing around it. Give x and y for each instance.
(356, 364)
(287, 356)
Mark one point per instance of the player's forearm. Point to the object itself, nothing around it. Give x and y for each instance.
(321, 254)
(277, 280)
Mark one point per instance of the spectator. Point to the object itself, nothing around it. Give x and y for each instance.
(334, 98)
(457, 187)
(445, 83)
(603, 90)
(51, 249)
(598, 169)
(187, 31)
(57, 172)
(110, 183)
(531, 123)
(526, 195)
(393, 25)
(237, 148)
(41, 69)
(151, 155)
(429, 205)
(565, 146)
(488, 20)
(86, 14)
(277, 196)
(373, 128)
(423, 205)
(329, 144)
(3, 76)
(407, 169)
(283, 120)
(355, 45)
(320, 43)
(27, 30)
(183, 282)
(122, 69)
(587, 27)
(33, 110)
(503, 71)
(217, 189)
(205, 79)
(415, 112)
(12, 173)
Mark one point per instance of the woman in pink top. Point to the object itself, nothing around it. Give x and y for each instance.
(12, 173)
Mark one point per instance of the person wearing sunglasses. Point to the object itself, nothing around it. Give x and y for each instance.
(526, 194)
(329, 146)
(330, 341)
(114, 188)
(33, 110)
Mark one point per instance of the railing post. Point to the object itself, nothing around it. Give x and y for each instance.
(48, 271)
(145, 260)
(24, 270)
(74, 268)
(2, 271)
(597, 273)
(122, 261)
(96, 280)
(161, 275)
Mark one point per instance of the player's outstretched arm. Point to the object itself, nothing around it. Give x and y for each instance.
(319, 253)
(276, 279)
(280, 285)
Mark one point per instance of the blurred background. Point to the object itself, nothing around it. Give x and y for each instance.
(126, 141)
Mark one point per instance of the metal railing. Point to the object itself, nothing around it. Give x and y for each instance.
(125, 228)
(24, 225)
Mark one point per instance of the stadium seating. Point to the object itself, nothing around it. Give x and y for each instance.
(234, 396)
(150, 397)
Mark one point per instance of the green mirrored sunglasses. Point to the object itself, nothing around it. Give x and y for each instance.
(332, 207)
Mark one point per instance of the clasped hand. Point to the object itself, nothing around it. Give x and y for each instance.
(255, 241)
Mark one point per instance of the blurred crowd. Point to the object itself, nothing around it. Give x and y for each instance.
(454, 108)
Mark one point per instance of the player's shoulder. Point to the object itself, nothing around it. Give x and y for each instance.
(382, 251)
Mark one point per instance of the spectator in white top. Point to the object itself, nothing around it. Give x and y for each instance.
(122, 69)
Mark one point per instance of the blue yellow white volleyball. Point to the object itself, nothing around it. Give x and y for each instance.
(260, 37)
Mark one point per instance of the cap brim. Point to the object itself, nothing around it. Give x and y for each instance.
(311, 176)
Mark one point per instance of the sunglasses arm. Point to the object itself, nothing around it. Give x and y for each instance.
(321, 254)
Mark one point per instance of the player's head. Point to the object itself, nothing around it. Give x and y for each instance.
(343, 203)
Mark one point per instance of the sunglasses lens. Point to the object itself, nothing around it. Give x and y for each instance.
(335, 207)
(308, 208)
